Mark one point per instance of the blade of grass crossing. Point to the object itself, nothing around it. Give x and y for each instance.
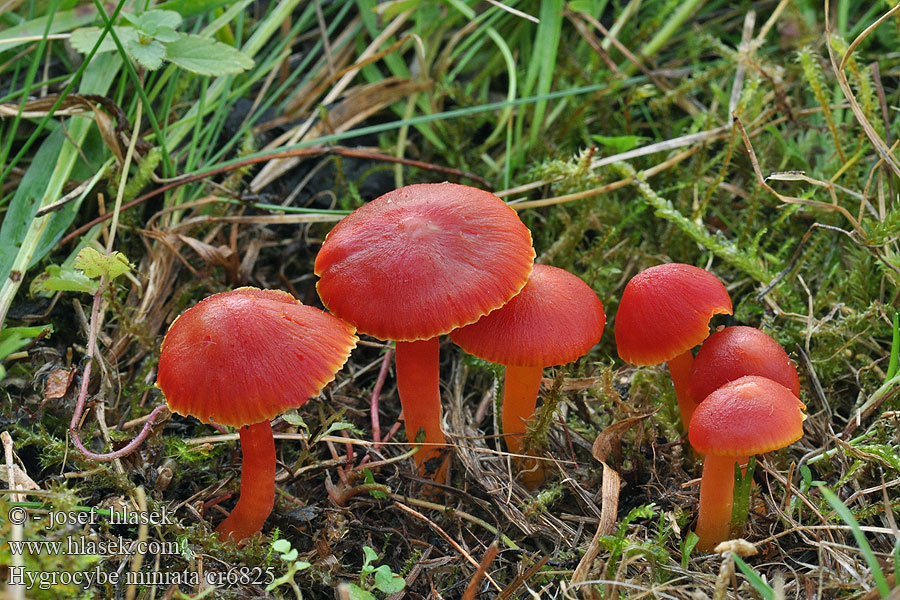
(26, 234)
(758, 583)
(267, 28)
(844, 513)
(681, 14)
(29, 82)
(543, 62)
(895, 350)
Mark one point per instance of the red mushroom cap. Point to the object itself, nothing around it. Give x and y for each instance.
(665, 311)
(555, 319)
(245, 356)
(738, 351)
(750, 415)
(423, 260)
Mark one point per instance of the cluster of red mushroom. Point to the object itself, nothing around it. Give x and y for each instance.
(737, 398)
(432, 259)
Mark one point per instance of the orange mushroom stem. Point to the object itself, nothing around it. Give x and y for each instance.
(520, 391)
(716, 500)
(257, 483)
(680, 369)
(418, 385)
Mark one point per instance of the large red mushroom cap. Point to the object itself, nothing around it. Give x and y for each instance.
(245, 356)
(555, 319)
(423, 260)
(738, 351)
(748, 416)
(665, 311)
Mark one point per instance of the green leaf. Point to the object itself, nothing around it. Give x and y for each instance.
(152, 20)
(622, 143)
(281, 546)
(370, 478)
(302, 565)
(294, 419)
(192, 8)
(370, 556)
(96, 265)
(689, 543)
(56, 278)
(167, 34)
(354, 592)
(895, 350)
(336, 426)
(207, 57)
(388, 582)
(290, 556)
(12, 339)
(148, 52)
(763, 588)
(83, 40)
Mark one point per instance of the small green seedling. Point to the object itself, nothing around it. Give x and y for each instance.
(96, 265)
(384, 580)
(289, 556)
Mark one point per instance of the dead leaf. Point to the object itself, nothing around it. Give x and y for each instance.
(609, 509)
(58, 382)
(215, 256)
(609, 440)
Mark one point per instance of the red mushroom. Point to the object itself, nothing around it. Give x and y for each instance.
(735, 352)
(417, 263)
(555, 319)
(747, 416)
(240, 358)
(663, 313)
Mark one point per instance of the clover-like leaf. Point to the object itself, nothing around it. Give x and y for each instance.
(85, 38)
(147, 51)
(96, 265)
(152, 21)
(207, 57)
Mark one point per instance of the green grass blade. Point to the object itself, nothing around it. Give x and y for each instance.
(895, 351)
(27, 231)
(844, 513)
(763, 588)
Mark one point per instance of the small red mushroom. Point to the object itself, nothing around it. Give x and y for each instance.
(240, 358)
(415, 264)
(737, 351)
(663, 313)
(747, 416)
(555, 319)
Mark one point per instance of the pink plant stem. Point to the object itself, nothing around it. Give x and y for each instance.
(82, 395)
(376, 394)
